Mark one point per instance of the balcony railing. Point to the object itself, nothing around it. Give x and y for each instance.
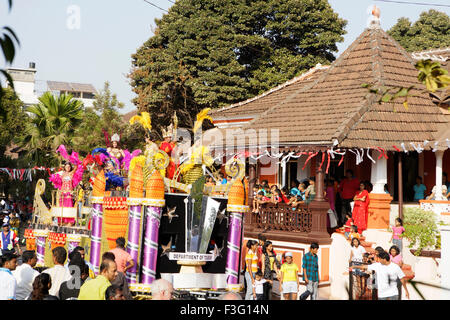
(280, 217)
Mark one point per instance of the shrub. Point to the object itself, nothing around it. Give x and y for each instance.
(421, 229)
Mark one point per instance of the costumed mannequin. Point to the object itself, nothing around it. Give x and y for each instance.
(112, 175)
(199, 155)
(168, 145)
(115, 150)
(152, 153)
(67, 180)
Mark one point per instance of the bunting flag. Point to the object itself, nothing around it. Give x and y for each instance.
(25, 174)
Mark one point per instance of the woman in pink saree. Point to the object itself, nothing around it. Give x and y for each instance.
(360, 209)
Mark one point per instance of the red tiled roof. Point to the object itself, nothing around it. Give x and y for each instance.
(335, 106)
(262, 102)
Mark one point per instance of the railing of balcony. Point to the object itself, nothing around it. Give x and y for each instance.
(281, 217)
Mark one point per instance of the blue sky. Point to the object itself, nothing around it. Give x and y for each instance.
(111, 30)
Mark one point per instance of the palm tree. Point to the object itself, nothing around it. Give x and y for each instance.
(53, 122)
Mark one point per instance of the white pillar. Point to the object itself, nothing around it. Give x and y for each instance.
(379, 175)
(439, 156)
(444, 265)
(283, 174)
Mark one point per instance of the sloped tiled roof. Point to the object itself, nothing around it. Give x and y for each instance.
(262, 102)
(336, 106)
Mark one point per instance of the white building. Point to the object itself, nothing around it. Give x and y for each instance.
(24, 83)
(25, 86)
(81, 91)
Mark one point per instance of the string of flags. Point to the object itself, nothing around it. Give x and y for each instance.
(25, 174)
(332, 153)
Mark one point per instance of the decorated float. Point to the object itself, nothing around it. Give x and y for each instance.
(178, 227)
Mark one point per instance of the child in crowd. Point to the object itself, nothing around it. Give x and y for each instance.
(300, 198)
(289, 278)
(277, 196)
(255, 198)
(302, 189)
(397, 233)
(210, 181)
(261, 199)
(348, 225)
(286, 197)
(354, 234)
(395, 256)
(258, 286)
(310, 192)
(294, 190)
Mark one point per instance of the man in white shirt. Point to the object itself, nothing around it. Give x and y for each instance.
(387, 274)
(25, 274)
(8, 263)
(58, 273)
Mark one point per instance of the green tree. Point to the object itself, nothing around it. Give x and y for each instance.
(12, 123)
(431, 31)
(104, 115)
(88, 134)
(210, 53)
(53, 122)
(107, 106)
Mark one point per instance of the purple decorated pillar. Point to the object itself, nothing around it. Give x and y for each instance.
(234, 246)
(153, 202)
(41, 236)
(134, 231)
(236, 207)
(73, 241)
(96, 233)
(152, 220)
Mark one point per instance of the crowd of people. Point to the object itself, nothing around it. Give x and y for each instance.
(420, 190)
(70, 278)
(263, 266)
(341, 195)
(384, 267)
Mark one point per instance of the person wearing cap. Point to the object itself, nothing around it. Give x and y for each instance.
(289, 278)
(8, 240)
(8, 284)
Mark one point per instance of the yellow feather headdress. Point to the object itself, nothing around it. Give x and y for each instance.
(201, 116)
(144, 119)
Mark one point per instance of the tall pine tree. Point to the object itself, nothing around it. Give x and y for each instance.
(211, 53)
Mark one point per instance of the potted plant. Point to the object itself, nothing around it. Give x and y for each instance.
(422, 231)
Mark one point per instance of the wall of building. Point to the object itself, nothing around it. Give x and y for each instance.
(429, 175)
(267, 169)
(361, 171)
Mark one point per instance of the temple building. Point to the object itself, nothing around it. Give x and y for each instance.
(308, 123)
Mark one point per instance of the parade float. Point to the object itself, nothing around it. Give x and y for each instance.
(178, 227)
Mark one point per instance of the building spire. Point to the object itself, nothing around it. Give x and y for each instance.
(373, 22)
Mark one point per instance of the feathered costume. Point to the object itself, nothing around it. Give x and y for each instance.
(113, 180)
(66, 182)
